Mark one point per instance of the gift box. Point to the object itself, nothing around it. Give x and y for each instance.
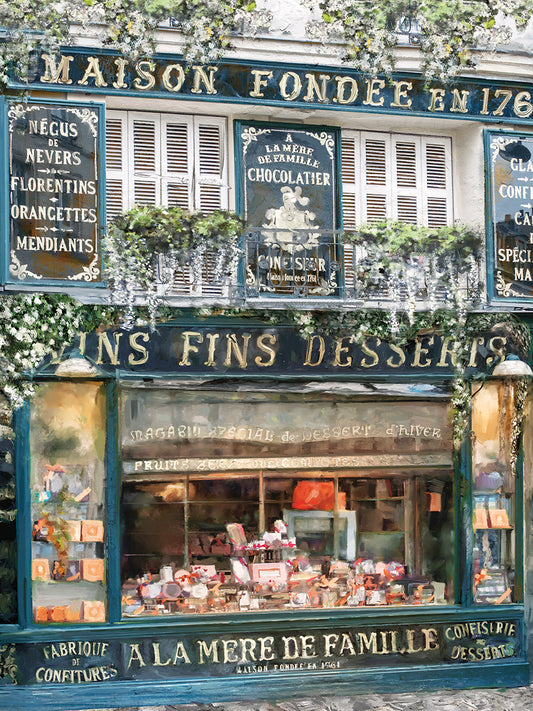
(73, 613)
(58, 613)
(40, 569)
(74, 531)
(268, 573)
(40, 614)
(92, 569)
(498, 518)
(92, 611)
(92, 531)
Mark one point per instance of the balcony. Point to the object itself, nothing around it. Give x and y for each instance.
(319, 269)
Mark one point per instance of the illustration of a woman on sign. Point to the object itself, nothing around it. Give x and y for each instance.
(289, 223)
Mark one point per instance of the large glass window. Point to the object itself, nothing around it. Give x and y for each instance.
(68, 566)
(237, 501)
(494, 495)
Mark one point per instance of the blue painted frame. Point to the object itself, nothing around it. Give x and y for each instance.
(59, 284)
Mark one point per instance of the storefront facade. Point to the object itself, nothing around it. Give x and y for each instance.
(229, 507)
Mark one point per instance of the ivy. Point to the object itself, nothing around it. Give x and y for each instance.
(146, 245)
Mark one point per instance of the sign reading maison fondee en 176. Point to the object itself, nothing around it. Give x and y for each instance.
(273, 83)
(511, 180)
(54, 192)
(288, 195)
(344, 647)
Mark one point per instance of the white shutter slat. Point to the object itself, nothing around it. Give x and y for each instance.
(376, 171)
(406, 157)
(350, 179)
(116, 157)
(210, 164)
(145, 159)
(436, 188)
(178, 161)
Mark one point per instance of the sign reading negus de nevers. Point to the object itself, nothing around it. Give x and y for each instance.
(289, 201)
(54, 193)
(511, 177)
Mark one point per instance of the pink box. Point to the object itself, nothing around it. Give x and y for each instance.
(268, 572)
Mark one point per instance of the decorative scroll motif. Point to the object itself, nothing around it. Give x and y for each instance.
(325, 139)
(89, 273)
(85, 115)
(8, 665)
(505, 289)
(21, 271)
(249, 134)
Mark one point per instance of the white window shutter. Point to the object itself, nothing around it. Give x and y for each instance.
(177, 161)
(350, 179)
(406, 179)
(376, 172)
(145, 159)
(436, 181)
(211, 170)
(116, 156)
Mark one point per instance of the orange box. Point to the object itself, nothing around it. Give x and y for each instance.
(74, 530)
(92, 569)
(58, 613)
(480, 519)
(40, 614)
(498, 518)
(73, 613)
(40, 569)
(93, 611)
(92, 531)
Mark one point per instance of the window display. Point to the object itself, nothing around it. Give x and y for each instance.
(67, 502)
(494, 489)
(243, 501)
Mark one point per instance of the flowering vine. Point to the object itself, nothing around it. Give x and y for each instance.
(446, 30)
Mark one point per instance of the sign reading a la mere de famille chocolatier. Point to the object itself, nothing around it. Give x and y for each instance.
(54, 201)
(288, 196)
(511, 180)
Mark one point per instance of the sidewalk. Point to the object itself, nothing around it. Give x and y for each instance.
(520, 699)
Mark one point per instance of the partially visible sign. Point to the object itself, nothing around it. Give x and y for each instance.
(288, 193)
(511, 179)
(54, 193)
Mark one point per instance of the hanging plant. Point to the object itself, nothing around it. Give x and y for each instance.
(447, 31)
(146, 245)
(128, 26)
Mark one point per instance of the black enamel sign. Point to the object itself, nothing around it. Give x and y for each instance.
(511, 175)
(54, 192)
(288, 196)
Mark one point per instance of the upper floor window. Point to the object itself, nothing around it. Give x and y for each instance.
(396, 176)
(165, 159)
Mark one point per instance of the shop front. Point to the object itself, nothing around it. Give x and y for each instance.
(215, 511)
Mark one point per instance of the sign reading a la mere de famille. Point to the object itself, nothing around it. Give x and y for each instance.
(54, 193)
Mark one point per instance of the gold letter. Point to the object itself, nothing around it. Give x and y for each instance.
(459, 102)
(187, 347)
(208, 81)
(321, 350)
(259, 81)
(140, 349)
(143, 68)
(314, 88)
(370, 352)
(121, 66)
(400, 92)
(437, 99)
(263, 347)
(103, 340)
(233, 347)
(341, 82)
(374, 86)
(418, 352)
(166, 77)
(93, 70)
(339, 348)
(54, 74)
(297, 86)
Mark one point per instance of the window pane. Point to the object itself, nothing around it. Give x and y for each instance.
(67, 495)
(494, 496)
(260, 501)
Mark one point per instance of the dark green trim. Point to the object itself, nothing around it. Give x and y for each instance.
(24, 522)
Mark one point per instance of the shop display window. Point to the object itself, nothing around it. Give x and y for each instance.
(249, 501)
(494, 496)
(68, 566)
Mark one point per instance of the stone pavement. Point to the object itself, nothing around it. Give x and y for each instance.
(520, 699)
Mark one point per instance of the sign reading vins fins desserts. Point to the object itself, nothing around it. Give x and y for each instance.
(511, 161)
(289, 203)
(54, 193)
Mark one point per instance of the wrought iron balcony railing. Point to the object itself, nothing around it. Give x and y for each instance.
(306, 268)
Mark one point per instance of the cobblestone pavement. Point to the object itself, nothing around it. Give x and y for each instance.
(520, 699)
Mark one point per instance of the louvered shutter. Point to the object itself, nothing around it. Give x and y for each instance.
(211, 189)
(375, 161)
(436, 181)
(145, 159)
(350, 180)
(116, 156)
(177, 161)
(406, 178)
